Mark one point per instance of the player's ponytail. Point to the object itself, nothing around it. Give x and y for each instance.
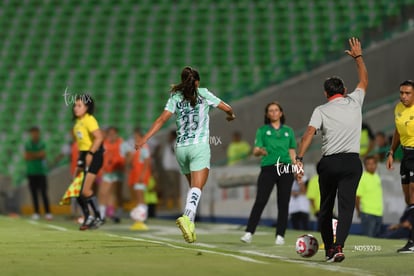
(188, 86)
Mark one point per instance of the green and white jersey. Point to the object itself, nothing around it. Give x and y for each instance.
(192, 122)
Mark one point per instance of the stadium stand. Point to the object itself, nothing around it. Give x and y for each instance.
(127, 53)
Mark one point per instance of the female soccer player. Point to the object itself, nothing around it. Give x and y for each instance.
(275, 143)
(89, 138)
(112, 172)
(191, 105)
(138, 180)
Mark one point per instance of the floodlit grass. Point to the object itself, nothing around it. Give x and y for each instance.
(58, 248)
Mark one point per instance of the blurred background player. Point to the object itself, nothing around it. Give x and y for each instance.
(276, 145)
(138, 180)
(151, 196)
(35, 156)
(299, 207)
(314, 196)
(112, 174)
(369, 199)
(89, 139)
(381, 146)
(191, 105)
(367, 140)
(71, 151)
(404, 135)
(238, 149)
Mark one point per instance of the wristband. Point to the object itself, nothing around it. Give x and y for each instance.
(300, 159)
(91, 153)
(390, 153)
(357, 56)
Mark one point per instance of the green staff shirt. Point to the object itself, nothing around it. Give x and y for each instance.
(277, 143)
(36, 166)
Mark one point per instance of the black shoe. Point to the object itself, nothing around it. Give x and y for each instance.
(87, 224)
(337, 256)
(116, 220)
(329, 253)
(408, 248)
(97, 222)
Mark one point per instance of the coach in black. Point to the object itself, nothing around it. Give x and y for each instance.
(340, 168)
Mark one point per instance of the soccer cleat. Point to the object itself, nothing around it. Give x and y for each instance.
(49, 216)
(139, 226)
(87, 224)
(336, 255)
(35, 216)
(279, 240)
(408, 248)
(329, 253)
(247, 237)
(97, 222)
(187, 227)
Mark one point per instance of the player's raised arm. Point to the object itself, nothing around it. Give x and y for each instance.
(356, 52)
(229, 111)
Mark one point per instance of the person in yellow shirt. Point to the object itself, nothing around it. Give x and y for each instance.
(237, 150)
(368, 202)
(89, 138)
(404, 135)
(314, 196)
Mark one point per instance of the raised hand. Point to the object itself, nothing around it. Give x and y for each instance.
(355, 46)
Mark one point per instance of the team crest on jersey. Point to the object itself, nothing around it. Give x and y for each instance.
(286, 134)
(268, 132)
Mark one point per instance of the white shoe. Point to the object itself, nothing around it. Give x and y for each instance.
(35, 217)
(279, 240)
(247, 237)
(48, 216)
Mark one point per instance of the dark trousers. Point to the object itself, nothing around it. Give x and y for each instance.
(38, 183)
(338, 173)
(300, 220)
(267, 179)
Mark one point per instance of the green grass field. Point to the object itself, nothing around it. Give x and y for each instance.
(59, 248)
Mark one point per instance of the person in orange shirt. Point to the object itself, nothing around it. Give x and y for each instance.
(139, 177)
(112, 171)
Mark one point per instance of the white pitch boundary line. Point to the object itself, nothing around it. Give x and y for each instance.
(55, 227)
(242, 258)
(333, 268)
(163, 241)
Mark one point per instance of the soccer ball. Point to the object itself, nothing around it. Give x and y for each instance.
(307, 245)
(139, 213)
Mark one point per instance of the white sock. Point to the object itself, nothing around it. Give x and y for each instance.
(102, 211)
(193, 198)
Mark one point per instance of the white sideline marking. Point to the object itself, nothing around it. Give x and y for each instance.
(59, 228)
(246, 259)
(172, 240)
(328, 267)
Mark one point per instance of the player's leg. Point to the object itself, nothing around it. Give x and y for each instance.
(45, 198)
(284, 188)
(347, 186)
(140, 212)
(87, 191)
(33, 192)
(104, 193)
(407, 181)
(328, 187)
(194, 162)
(265, 184)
